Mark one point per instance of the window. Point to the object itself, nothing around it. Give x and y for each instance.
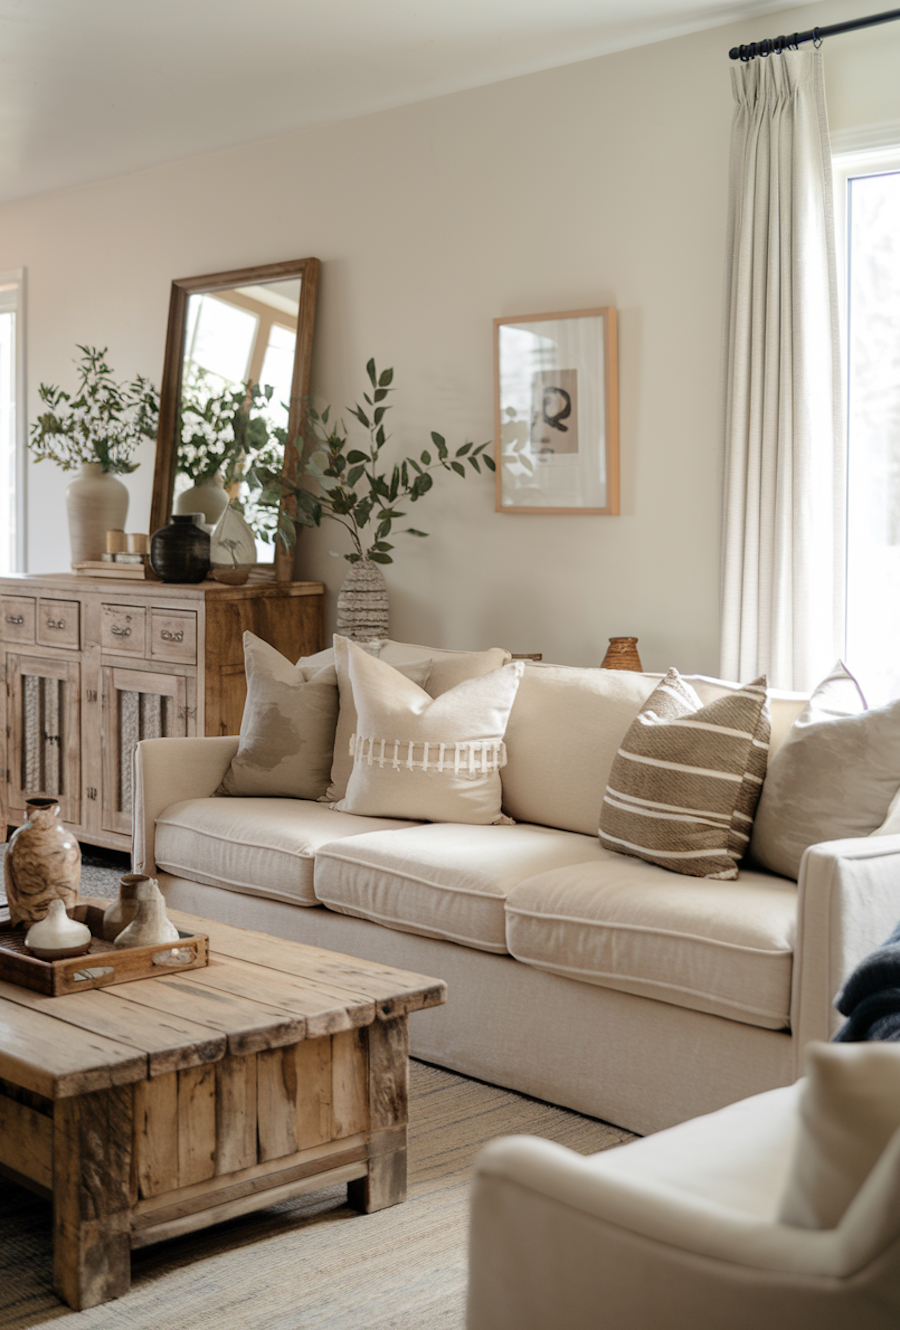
(868, 231)
(12, 422)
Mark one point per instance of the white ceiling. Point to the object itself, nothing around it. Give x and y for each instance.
(95, 88)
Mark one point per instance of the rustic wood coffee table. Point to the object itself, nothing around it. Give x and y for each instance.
(149, 1109)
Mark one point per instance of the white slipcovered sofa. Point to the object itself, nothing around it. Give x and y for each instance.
(583, 977)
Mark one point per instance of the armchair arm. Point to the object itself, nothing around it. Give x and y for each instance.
(848, 902)
(167, 771)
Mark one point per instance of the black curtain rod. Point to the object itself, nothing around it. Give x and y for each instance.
(775, 45)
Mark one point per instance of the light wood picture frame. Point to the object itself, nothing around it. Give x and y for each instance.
(556, 405)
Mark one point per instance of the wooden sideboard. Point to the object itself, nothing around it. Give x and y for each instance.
(92, 665)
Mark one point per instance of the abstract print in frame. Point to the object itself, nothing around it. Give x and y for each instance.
(557, 412)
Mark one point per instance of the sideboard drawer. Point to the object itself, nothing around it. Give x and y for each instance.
(58, 623)
(17, 615)
(123, 629)
(173, 636)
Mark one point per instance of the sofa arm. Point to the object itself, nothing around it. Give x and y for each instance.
(167, 771)
(848, 904)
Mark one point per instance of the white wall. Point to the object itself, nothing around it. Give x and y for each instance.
(596, 183)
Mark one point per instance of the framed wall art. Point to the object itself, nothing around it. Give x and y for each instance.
(557, 412)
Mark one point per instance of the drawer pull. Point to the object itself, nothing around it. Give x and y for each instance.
(56, 623)
(187, 713)
(120, 632)
(50, 738)
(172, 637)
(15, 618)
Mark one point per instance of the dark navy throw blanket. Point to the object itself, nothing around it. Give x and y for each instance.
(870, 999)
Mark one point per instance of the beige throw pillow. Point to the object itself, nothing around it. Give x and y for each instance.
(849, 1110)
(433, 669)
(287, 729)
(429, 759)
(684, 784)
(835, 775)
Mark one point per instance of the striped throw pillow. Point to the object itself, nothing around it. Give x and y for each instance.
(687, 778)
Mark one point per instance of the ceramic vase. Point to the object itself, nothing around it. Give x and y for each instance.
(622, 654)
(57, 936)
(232, 548)
(119, 915)
(362, 604)
(43, 863)
(179, 552)
(151, 924)
(96, 502)
(209, 497)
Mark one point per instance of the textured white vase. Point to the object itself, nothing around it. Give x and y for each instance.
(362, 604)
(232, 548)
(96, 502)
(210, 498)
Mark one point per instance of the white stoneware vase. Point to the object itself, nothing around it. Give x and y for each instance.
(232, 548)
(362, 604)
(209, 498)
(119, 915)
(151, 924)
(43, 863)
(96, 502)
(57, 936)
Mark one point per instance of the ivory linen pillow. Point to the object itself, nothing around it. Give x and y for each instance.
(287, 729)
(849, 1110)
(436, 759)
(835, 775)
(684, 784)
(435, 670)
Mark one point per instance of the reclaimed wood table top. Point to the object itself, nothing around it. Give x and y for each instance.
(258, 992)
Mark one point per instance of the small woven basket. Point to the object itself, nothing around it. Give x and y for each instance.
(622, 654)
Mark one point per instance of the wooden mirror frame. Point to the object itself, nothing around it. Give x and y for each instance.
(170, 391)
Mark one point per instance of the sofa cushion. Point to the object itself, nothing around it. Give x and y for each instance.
(686, 779)
(720, 947)
(261, 847)
(433, 669)
(287, 729)
(435, 759)
(443, 880)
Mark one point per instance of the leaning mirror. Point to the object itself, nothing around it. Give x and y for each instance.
(234, 388)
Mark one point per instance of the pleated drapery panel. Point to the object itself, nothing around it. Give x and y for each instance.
(785, 468)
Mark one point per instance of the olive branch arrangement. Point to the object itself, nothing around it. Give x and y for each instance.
(353, 487)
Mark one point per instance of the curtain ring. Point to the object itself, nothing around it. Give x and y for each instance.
(817, 40)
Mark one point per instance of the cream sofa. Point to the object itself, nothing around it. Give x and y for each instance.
(582, 977)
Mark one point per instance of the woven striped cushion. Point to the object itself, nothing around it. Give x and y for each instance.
(686, 780)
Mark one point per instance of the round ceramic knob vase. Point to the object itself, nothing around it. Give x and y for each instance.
(179, 552)
(57, 936)
(151, 924)
(362, 604)
(96, 502)
(43, 863)
(119, 915)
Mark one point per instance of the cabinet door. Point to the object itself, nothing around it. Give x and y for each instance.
(44, 723)
(138, 704)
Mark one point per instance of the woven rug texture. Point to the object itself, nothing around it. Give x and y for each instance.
(312, 1263)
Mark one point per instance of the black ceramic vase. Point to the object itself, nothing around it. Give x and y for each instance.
(179, 552)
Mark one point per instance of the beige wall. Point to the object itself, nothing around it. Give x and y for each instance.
(596, 183)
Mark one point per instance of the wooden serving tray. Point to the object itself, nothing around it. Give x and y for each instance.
(101, 965)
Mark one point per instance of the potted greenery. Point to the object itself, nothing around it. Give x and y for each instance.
(96, 432)
(355, 488)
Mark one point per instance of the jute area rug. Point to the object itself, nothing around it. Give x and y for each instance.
(312, 1262)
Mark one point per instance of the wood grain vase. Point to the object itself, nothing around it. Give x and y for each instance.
(362, 605)
(43, 864)
(622, 654)
(96, 502)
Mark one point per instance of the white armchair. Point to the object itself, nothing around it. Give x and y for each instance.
(679, 1231)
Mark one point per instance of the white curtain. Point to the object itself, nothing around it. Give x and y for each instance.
(784, 518)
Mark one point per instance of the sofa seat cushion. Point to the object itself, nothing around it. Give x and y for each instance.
(442, 880)
(720, 947)
(260, 847)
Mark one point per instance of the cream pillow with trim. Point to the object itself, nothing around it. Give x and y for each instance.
(849, 1110)
(433, 669)
(287, 728)
(437, 759)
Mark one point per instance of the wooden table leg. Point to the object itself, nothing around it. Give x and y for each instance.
(388, 1075)
(92, 1146)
